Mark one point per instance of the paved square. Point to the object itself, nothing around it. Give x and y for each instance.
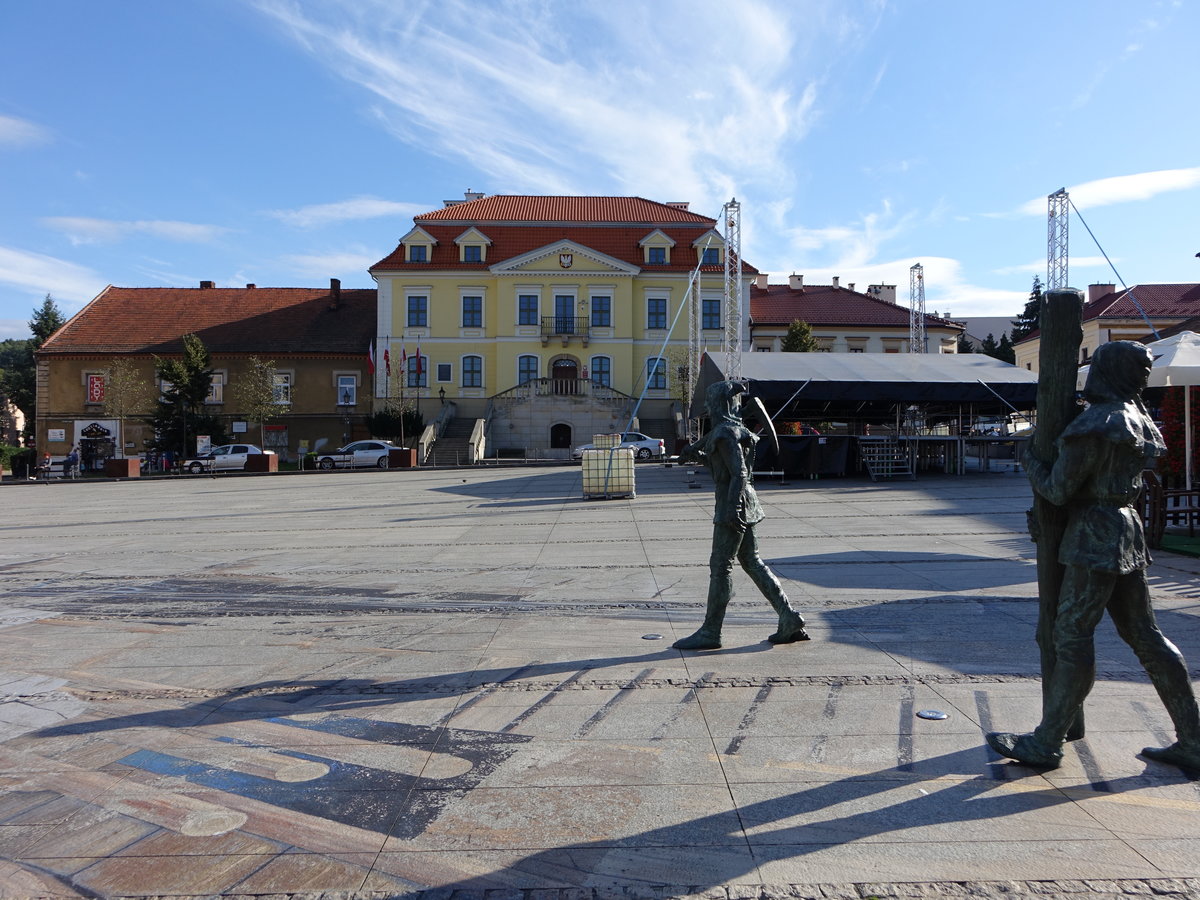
(428, 681)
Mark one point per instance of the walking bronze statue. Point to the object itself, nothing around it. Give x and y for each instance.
(727, 450)
(1096, 478)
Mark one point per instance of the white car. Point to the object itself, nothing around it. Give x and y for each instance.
(357, 453)
(226, 457)
(643, 447)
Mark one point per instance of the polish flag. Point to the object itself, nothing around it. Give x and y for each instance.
(371, 356)
(387, 362)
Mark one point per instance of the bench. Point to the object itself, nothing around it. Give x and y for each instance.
(1161, 506)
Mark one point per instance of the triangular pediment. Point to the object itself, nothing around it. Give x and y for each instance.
(563, 257)
(710, 238)
(418, 236)
(657, 238)
(473, 236)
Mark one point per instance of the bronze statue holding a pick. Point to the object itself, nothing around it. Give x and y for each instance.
(1094, 481)
(727, 450)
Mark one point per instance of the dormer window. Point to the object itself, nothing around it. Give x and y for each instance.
(711, 257)
(472, 246)
(418, 245)
(656, 248)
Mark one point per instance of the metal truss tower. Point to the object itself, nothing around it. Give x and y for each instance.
(731, 212)
(916, 309)
(1058, 214)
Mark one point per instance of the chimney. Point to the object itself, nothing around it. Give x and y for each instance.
(335, 293)
(680, 204)
(849, 285)
(835, 282)
(470, 195)
(796, 282)
(760, 281)
(1096, 291)
(207, 285)
(251, 287)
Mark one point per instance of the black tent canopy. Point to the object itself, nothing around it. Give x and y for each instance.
(872, 385)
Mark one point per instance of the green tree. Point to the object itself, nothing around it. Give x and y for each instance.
(1004, 350)
(179, 414)
(799, 339)
(254, 395)
(988, 346)
(18, 368)
(964, 345)
(1027, 322)
(47, 319)
(126, 394)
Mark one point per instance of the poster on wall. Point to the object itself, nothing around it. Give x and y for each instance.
(95, 389)
(203, 443)
(56, 434)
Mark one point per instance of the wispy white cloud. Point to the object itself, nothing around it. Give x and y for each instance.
(325, 265)
(1039, 266)
(540, 97)
(14, 329)
(39, 274)
(80, 230)
(21, 133)
(344, 211)
(1122, 189)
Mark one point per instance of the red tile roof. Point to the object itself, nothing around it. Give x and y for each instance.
(620, 242)
(228, 320)
(1156, 300)
(514, 208)
(825, 305)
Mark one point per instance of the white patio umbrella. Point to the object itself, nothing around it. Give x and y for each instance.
(1176, 364)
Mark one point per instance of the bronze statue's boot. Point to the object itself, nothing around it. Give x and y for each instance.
(1176, 755)
(791, 628)
(1024, 748)
(704, 639)
(791, 623)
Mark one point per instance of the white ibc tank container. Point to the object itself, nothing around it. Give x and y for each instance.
(608, 473)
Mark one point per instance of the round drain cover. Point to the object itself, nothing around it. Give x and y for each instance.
(931, 714)
(652, 637)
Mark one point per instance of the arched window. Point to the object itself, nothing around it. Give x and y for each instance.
(472, 371)
(656, 373)
(527, 369)
(601, 370)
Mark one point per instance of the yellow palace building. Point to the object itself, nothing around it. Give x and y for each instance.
(544, 320)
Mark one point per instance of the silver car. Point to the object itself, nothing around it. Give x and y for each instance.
(225, 457)
(357, 453)
(643, 447)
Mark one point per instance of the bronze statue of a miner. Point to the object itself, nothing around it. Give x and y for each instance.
(727, 450)
(1096, 478)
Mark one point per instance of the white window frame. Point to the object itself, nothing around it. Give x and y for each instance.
(666, 300)
(216, 390)
(661, 367)
(282, 387)
(537, 309)
(411, 295)
(345, 380)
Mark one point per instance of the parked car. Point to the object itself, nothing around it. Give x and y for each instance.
(357, 453)
(643, 447)
(223, 458)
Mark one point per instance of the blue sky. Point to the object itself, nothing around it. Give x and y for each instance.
(147, 143)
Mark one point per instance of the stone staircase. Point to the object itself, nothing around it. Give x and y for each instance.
(452, 448)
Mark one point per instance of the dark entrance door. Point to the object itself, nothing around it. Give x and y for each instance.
(560, 436)
(565, 375)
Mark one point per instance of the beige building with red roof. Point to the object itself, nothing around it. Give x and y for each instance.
(317, 337)
(550, 317)
(842, 319)
(1122, 315)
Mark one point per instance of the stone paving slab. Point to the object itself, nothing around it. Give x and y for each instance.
(458, 684)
